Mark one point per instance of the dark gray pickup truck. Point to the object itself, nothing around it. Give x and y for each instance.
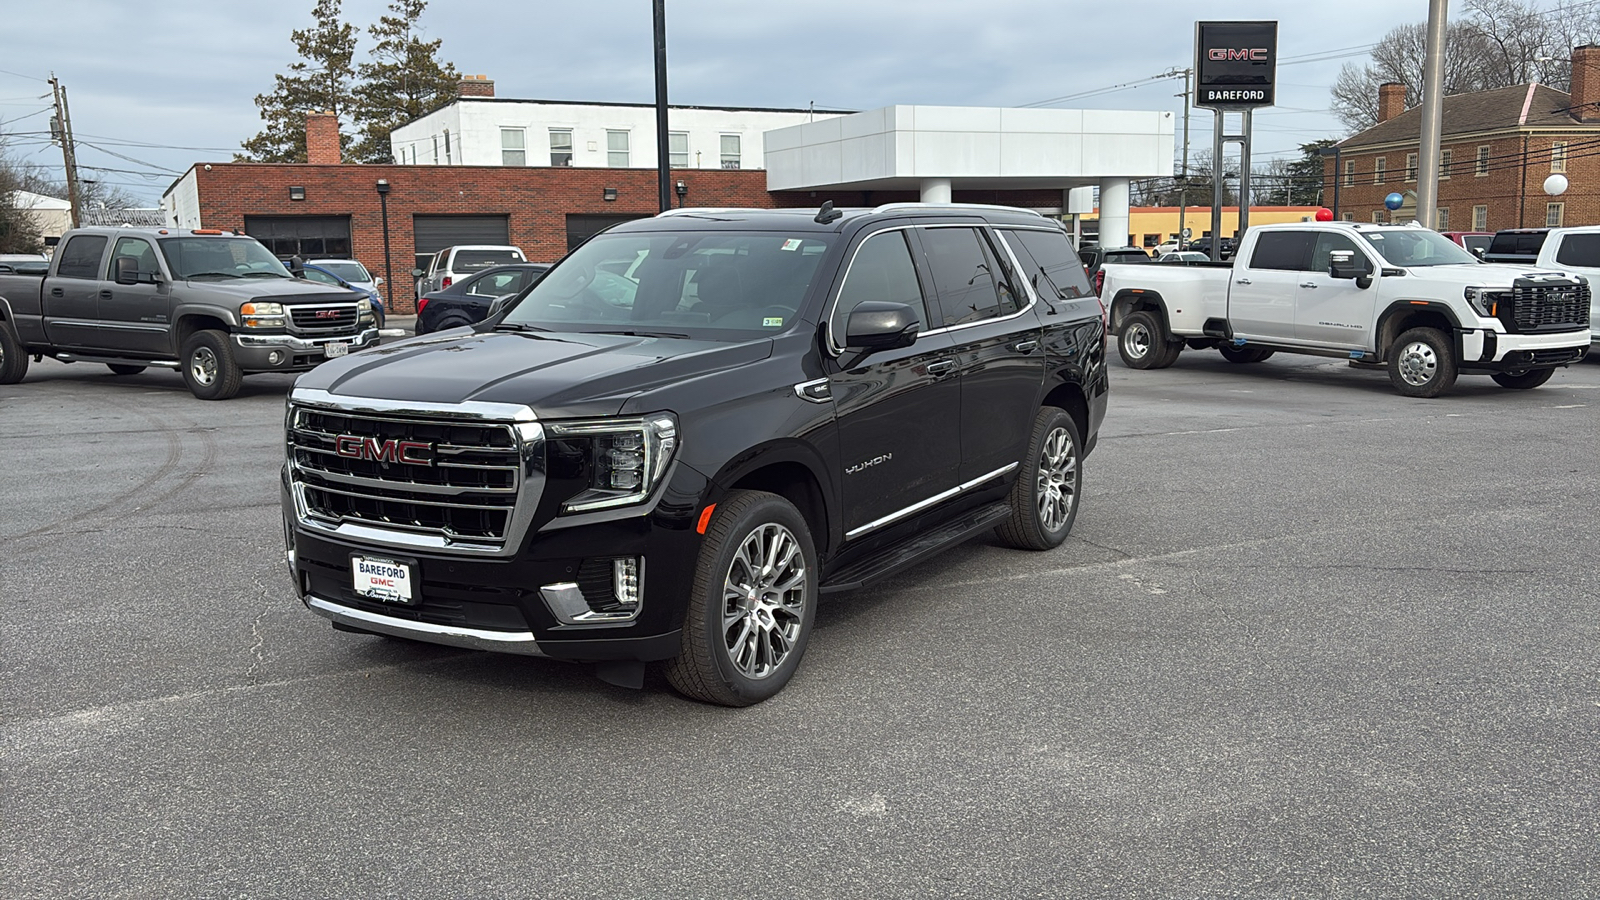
(212, 304)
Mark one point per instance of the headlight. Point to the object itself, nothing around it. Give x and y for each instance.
(364, 306)
(621, 460)
(1485, 300)
(262, 315)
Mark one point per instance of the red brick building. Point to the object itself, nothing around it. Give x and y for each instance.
(330, 210)
(1497, 149)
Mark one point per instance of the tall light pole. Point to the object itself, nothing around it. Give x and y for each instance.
(663, 154)
(1432, 116)
(388, 263)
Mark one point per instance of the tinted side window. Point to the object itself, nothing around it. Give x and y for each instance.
(1049, 263)
(1281, 250)
(971, 284)
(1579, 250)
(81, 257)
(1327, 242)
(497, 284)
(881, 270)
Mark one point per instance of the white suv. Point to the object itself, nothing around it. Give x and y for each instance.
(452, 263)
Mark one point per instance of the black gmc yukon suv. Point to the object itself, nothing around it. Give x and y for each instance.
(692, 426)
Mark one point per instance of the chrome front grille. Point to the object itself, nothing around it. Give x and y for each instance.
(1556, 307)
(319, 318)
(414, 478)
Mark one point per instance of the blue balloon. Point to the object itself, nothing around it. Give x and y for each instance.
(1394, 201)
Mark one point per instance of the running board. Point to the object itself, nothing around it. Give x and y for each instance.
(118, 361)
(895, 557)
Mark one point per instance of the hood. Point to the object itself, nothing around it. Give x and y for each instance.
(279, 290)
(557, 375)
(1489, 275)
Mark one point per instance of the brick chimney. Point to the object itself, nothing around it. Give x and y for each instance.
(1391, 100)
(476, 86)
(322, 139)
(1586, 83)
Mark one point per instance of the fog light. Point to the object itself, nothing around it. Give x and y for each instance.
(625, 581)
(274, 357)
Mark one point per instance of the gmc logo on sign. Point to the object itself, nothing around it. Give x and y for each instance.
(412, 453)
(1259, 54)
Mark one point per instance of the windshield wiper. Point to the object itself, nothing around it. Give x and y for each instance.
(258, 275)
(217, 274)
(659, 334)
(518, 326)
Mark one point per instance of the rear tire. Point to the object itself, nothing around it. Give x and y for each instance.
(1144, 344)
(1044, 499)
(1526, 379)
(208, 366)
(119, 369)
(13, 362)
(1422, 363)
(1244, 355)
(752, 604)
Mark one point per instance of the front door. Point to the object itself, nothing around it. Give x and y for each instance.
(1262, 294)
(897, 412)
(134, 317)
(72, 296)
(1334, 312)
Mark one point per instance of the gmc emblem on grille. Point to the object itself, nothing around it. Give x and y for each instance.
(412, 453)
(327, 313)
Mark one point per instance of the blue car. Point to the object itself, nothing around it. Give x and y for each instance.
(335, 272)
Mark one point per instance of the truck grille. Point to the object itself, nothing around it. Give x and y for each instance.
(1546, 307)
(454, 480)
(319, 318)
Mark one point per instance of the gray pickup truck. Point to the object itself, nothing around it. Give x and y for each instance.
(212, 304)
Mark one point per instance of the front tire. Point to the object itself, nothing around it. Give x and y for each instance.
(1244, 355)
(1422, 363)
(1526, 379)
(119, 369)
(1142, 343)
(753, 602)
(208, 366)
(13, 362)
(1044, 498)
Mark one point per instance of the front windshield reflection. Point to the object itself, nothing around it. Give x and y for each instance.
(220, 257)
(1418, 247)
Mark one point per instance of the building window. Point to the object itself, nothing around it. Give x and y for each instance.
(617, 149)
(1553, 214)
(1445, 158)
(1411, 167)
(730, 151)
(1444, 219)
(1349, 217)
(435, 149)
(513, 147)
(1483, 161)
(561, 146)
(678, 149)
(1349, 173)
(1378, 217)
(1480, 218)
(1558, 156)
(1380, 169)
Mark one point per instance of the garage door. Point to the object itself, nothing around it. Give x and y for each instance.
(581, 228)
(433, 233)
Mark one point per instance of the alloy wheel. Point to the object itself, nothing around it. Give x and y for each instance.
(763, 601)
(1057, 482)
(1418, 363)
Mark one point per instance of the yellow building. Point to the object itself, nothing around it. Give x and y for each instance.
(1149, 226)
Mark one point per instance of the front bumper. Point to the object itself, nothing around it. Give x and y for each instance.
(255, 352)
(1485, 350)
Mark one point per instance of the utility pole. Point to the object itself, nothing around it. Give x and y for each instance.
(663, 142)
(1183, 177)
(69, 154)
(1432, 116)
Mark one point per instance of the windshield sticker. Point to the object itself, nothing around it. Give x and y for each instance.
(792, 244)
(772, 322)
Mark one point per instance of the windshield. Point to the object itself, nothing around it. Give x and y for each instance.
(1418, 247)
(349, 271)
(220, 257)
(708, 286)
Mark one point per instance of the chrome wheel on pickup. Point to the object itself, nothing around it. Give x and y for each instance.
(1422, 363)
(1143, 343)
(753, 602)
(208, 366)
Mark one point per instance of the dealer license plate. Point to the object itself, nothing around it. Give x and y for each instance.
(334, 349)
(385, 580)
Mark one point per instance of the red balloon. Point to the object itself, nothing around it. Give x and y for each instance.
(1324, 215)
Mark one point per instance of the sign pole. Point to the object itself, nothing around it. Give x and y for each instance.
(1218, 188)
(1244, 175)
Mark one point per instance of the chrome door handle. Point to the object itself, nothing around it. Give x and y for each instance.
(941, 366)
(1242, 281)
(1025, 346)
(1307, 284)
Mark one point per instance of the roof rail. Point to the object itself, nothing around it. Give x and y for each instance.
(702, 210)
(893, 207)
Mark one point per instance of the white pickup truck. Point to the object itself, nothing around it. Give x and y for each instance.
(1399, 296)
(1576, 250)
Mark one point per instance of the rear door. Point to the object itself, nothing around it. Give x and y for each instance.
(996, 339)
(72, 295)
(896, 412)
(1261, 296)
(1334, 312)
(134, 318)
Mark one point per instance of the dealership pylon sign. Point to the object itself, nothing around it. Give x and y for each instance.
(1236, 70)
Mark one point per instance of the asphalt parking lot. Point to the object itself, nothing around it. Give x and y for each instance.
(1308, 639)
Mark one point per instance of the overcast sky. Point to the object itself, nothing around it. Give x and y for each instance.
(172, 84)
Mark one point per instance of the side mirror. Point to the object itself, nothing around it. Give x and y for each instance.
(297, 267)
(378, 280)
(1348, 264)
(127, 270)
(878, 325)
(417, 273)
(1478, 251)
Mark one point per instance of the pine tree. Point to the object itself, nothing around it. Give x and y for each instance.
(403, 81)
(321, 80)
